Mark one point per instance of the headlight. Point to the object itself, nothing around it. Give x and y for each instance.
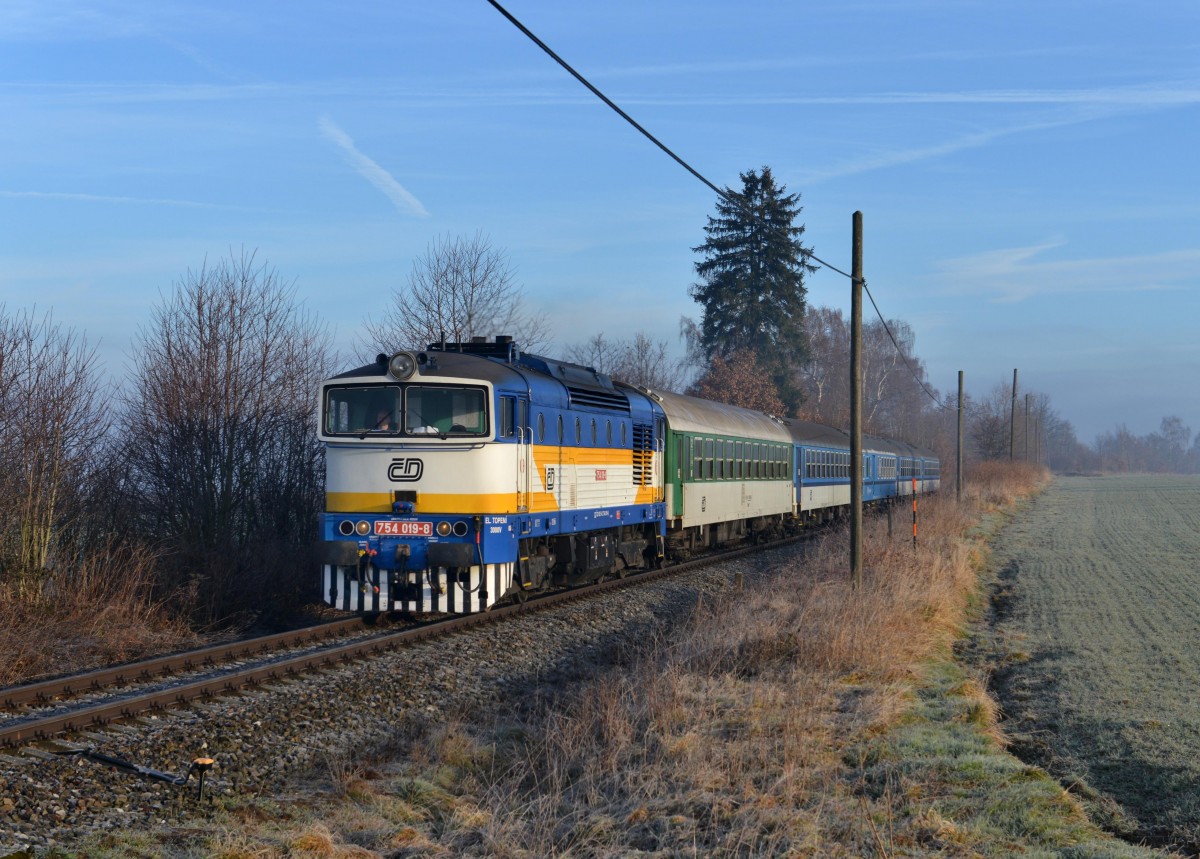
(363, 528)
(346, 528)
(402, 365)
(443, 529)
(460, 529)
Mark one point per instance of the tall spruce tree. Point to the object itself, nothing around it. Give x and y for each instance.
(751, 283)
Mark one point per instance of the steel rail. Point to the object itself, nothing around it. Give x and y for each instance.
(100, 714)
(46, 692)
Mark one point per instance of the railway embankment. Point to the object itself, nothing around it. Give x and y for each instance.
(793, 715)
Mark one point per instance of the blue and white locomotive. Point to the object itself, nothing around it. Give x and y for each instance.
(470, 473)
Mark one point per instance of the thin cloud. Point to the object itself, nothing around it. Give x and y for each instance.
(1010, 275)
(968, 141)
(104, 198)
(405, 202)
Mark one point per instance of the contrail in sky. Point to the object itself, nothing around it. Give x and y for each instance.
(372, 172)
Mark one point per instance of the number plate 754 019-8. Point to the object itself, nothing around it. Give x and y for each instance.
(386, 528)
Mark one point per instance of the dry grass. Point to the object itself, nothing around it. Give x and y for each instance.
(99, 612)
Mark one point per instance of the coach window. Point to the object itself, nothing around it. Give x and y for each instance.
(708, 458)
(737, 460)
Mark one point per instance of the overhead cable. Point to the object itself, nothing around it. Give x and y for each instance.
(725, 195)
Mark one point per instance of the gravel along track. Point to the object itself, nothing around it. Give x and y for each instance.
(122, 683)
(262, 738)
(1098, 609)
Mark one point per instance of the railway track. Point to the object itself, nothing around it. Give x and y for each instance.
(70, 717)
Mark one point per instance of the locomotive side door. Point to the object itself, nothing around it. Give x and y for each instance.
(524, 455)
(660, 469)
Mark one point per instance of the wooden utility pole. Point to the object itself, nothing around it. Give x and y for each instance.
(856, 475)
(1028, 397)
(1012, 420)
(958, 455)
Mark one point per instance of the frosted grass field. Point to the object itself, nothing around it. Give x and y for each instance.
(1098, 615)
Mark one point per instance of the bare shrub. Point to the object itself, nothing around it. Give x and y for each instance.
(224, 471)
(639, 361)
(97, 611)
(53, 422)
(458, 289)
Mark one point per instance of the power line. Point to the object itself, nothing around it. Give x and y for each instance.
(724, 195)
(900, 351)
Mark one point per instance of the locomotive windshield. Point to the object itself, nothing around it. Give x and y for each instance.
(411, 410)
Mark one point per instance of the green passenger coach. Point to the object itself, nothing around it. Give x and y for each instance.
(729, 472)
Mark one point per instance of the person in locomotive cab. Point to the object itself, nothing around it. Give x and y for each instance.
(385, 421)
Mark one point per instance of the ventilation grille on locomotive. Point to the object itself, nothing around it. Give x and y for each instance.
(643, 455)
(598, 399)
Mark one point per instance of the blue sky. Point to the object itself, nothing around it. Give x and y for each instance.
(1028, 171)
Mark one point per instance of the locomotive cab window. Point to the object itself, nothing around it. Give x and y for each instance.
(373, 409)
(390, 410)
(430, 410)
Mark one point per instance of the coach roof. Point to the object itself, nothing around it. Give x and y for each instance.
(691, 414)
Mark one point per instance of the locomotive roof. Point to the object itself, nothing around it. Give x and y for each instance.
(445, 365)
(502, 363)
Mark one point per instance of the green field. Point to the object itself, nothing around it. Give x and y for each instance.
(1097, 635)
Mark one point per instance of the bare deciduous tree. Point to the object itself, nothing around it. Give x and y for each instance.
(740, 380)
(225, 471)
(640, 361)
(53, 421)
(458, 289)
